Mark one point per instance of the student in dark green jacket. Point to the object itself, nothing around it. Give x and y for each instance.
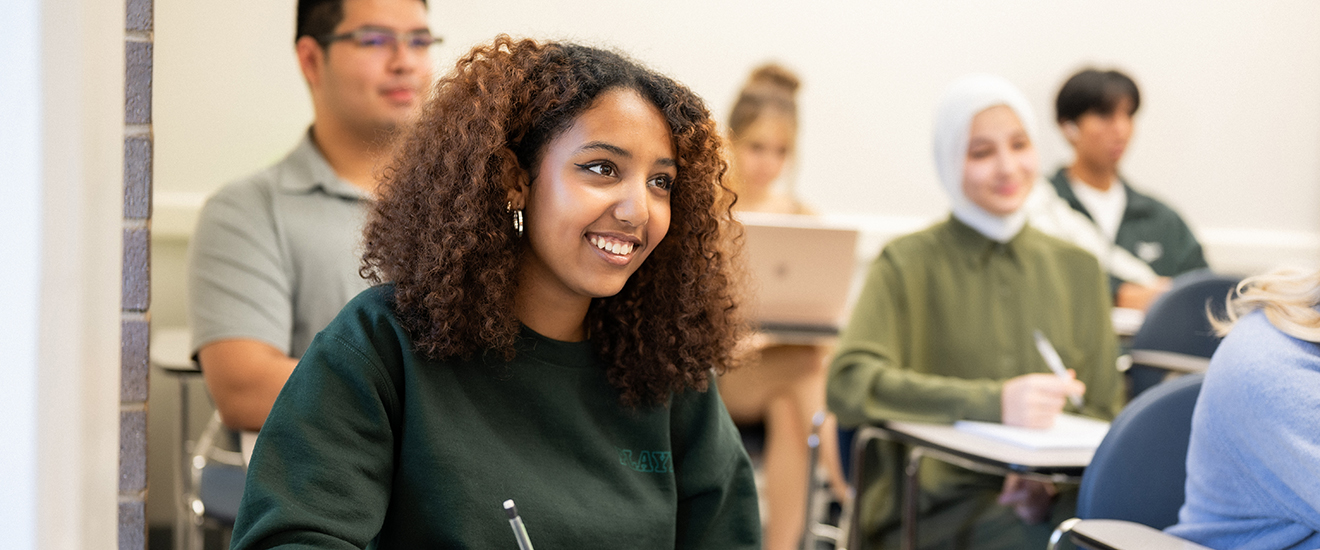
(553, 303)
(1094, 110)
(943, 330)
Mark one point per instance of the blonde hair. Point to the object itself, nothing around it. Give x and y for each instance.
(771, 87)
(1288, 297)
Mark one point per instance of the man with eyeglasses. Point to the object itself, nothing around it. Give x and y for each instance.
(275, 255)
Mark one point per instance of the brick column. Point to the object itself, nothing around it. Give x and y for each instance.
(136, 297)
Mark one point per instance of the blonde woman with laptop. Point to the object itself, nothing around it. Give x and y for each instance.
(783, 387)
(943, 331)
(762, 139)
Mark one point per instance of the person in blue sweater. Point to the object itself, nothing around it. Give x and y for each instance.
(553, 301)
(1253, 463)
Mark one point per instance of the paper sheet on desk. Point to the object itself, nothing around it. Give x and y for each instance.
(1069, 432)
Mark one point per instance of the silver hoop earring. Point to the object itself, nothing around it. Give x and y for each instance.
(517, 219)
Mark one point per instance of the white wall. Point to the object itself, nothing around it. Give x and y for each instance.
(20, 235)
(62, 104)
(1229, 129)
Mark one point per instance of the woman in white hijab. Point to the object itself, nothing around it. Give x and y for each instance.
(943, 332)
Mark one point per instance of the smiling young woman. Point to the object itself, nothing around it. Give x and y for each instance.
(553, 301)
(596, 209)
(942, 331)
(1001, 162)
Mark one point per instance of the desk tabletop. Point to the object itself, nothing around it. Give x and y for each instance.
(1127, 321)
(946, 438)
(783, 337)
(1103, 533)
(171, 349)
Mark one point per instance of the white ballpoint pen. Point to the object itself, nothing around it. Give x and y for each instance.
(1055, 363)
(519, 530)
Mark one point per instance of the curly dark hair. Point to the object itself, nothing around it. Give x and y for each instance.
(441, 234)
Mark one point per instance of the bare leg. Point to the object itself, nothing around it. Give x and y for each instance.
(787, 461)
(784, 388)
(809, 393)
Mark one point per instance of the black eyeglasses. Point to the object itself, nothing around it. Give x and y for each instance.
(377, 38)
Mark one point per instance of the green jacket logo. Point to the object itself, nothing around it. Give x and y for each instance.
(648, 461)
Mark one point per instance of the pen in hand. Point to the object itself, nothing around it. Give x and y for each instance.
(1055, 363)
(519, 530)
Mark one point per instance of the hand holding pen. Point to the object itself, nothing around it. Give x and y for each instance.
(1056, 364)
(1034, 400)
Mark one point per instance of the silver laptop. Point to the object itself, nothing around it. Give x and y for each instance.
(801, 271)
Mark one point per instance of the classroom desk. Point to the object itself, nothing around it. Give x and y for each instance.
(208, 480)
(945, 443)
(1126, 321)
(795, 335)
(170, 352)
(1105, 534)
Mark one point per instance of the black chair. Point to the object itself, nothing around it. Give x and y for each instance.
(1139, 469)
(820, 499)
(217, 478)
(1176, 336)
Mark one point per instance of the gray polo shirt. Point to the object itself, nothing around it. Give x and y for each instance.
(276, 255)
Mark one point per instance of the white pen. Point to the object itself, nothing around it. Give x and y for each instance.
(1056, 364)
(519, 530)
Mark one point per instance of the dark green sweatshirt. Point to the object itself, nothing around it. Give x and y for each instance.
(371, 444)
(1150, 230)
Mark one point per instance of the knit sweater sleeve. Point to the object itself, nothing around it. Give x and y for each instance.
(717, 506)
(1253, 462)
(334, 413)
(1186, 254)
(1285, 454)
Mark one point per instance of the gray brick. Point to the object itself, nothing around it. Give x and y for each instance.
(134, 356)
(137, 177)
(137, 269)
(132, 451)
(139, 15)
(136, 283)
(133, 525)
(137, 83)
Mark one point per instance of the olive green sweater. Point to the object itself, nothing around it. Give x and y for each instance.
(945, 317)
(372, 444)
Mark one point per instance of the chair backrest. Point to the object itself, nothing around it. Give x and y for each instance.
(846, 450)
(1139, 468)
(1177, 321)
(1177, 325)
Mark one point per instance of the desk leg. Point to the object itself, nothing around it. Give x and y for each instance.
(911, 473)
(183, 518)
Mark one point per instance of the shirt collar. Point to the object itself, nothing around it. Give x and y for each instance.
(977, 249)
(311, 172)
(1064, 189)
(1137, 203)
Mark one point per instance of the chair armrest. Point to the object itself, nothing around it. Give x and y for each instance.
(1169, 360)
(1109, 534)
